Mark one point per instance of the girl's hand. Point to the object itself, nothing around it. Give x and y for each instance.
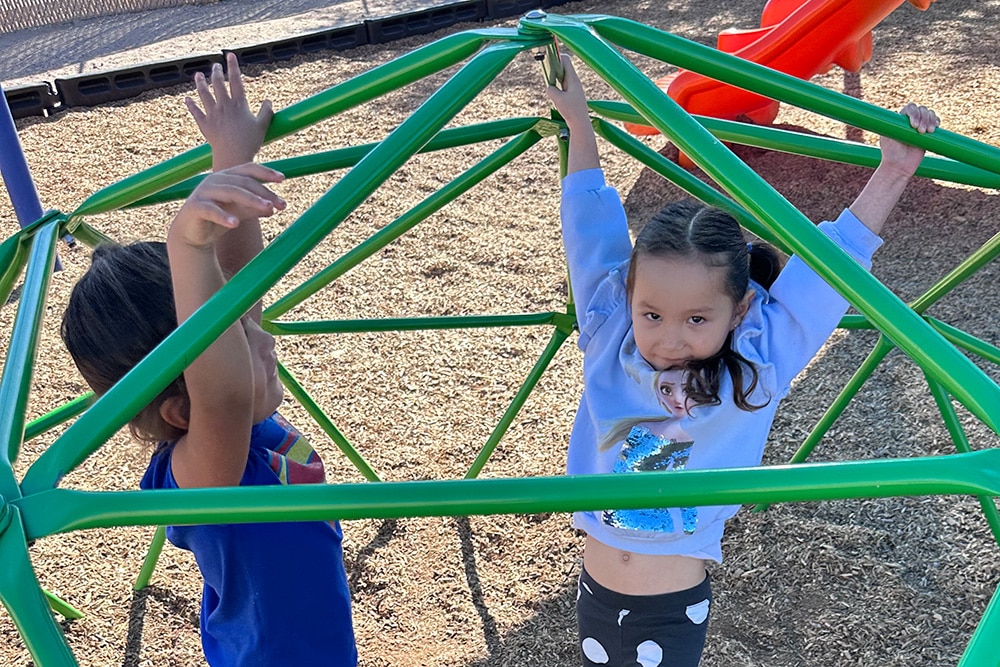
(904, 157)
(231, 129)
(570, 101)
(222, 200)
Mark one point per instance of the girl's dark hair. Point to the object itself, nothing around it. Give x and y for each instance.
(120, 310)
(692, 230)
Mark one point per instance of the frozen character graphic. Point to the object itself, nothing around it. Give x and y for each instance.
(657, 444)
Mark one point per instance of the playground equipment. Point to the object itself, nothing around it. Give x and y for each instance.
(34, 506)
(798, 37)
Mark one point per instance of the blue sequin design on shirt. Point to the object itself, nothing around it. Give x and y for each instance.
(644, 451)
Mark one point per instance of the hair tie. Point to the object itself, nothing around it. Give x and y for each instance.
(749, 247)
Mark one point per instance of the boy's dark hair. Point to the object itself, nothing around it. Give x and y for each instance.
(690, 229)
(120, 310)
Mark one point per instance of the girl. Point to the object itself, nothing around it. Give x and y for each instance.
(691, 295)
(275, 593)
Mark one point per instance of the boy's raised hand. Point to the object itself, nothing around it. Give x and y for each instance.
(902, 156)
(233, 131)
(222, 200)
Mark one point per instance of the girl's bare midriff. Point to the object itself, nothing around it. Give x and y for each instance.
(640, 574)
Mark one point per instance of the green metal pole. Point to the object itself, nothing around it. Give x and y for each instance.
(15, 384)
(964, 340)
(303, 397)
(681, 177)
(558, 336)
(961, 441)
(284, 328)
(152, 556)
(342, 158)
(61, 414)
(22, 595)
(809, 145)
(983, 649)
(846, 395)
(61, 510)
(987, 253)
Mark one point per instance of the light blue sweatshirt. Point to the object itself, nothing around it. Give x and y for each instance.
(781, 332)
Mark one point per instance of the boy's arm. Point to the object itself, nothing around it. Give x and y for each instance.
(899, 163)
(235, 135)
(219, 382)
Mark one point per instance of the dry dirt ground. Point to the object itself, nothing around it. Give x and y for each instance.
(895, 582)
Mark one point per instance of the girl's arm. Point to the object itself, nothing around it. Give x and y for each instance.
(571, 103)
(595, 230)
(235, 134)
(899, 163)
(220, 381)
(804, 310)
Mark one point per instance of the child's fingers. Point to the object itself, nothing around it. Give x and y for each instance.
(235, 77)
(195, 111)
(219, 83)
(202, 208)
(244, 188)
(236, 200)
(266, 113)
(921, 118)
(204, 92)
(254, 170)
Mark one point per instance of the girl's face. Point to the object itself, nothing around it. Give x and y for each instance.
(268, 390)
(681, 311)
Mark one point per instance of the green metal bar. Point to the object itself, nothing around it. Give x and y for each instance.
(970, 265)
(13, 257)
(60, 606)
(152, 556)
(961, 441)
(15, 250)
(61, 510)
(15, 384)
(904, 327)
(342, 158)
(557, 339)
(136, 389)
(810, 145)
(747, 75)
(454, 189)
(964, 340)
(982, 648)
(86, 234)
(418, 323)
(22, 595)
(61, 414)
(303, 397)
(380, 80)
(882, 347)
(562, 147)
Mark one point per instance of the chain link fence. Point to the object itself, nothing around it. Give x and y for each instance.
(21, 14)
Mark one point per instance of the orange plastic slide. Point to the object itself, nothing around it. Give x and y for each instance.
(801, 38)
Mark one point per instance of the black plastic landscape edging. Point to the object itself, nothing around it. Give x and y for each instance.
(95, 89)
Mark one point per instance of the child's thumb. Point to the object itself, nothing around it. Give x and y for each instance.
(266, 112)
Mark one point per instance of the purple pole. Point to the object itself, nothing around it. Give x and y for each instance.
(14, 169)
